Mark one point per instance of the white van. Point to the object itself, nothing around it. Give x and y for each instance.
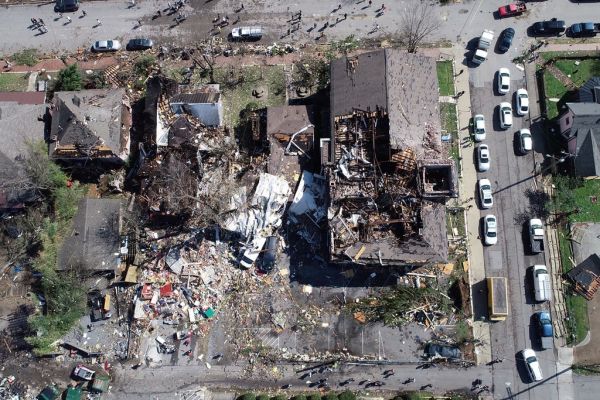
(541, 283)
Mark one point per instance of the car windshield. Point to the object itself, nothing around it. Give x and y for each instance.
(109, 43)
(506, 110)
(531, 359)
(491, 234)
(526, 136)
(486, 187)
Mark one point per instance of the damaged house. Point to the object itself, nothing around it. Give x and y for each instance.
(192, 161)
(95, 242)
(388, 174)
(21, 121)
(90, 125)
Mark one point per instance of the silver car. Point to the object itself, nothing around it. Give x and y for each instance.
(479, 127)
(106, 45)
(506, 119)
(483, 158)
(485, 193)
(490, 230)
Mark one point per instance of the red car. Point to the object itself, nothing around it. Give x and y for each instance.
(512, 9)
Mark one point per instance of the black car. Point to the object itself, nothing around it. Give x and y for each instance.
(552, 27)
(140, 44)
(442, 350)
(506, 38)
(66, 6)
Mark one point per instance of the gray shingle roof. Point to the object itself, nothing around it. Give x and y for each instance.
(403, 84)
(88, 116)
(586, 128)
(95, 239)
(590, 91)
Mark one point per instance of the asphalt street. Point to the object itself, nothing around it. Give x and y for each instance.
(460, 22)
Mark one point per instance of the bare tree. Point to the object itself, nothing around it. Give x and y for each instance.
(418, 21)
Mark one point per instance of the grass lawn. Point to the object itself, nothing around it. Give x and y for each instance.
(445, 75)
(553, 88)
(590, 212)
(13, 82)
(450, 125)
(576, 305)
(579, 73)
(455, 220)
(237, 84)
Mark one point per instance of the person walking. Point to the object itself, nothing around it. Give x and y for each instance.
(41, 21)
(83, 13)
(98, 22)
(68, 20)
(370, 3)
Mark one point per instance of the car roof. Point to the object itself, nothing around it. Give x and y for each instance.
(484, 181)
(528, 353)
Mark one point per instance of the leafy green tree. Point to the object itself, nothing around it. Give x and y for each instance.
(279, 397)
(68, 79)
(314, 396)
(330, 396)
(299, 397)
(262, 396)
(247, 396)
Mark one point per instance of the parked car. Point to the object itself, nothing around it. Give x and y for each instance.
(532, 366)
(552, 27)
(479, 127)
(543, 327)
(506, 120)
(490, 230)
(62, 6)
(442, 350)
(248, 33)
(483, 158)
(503, 80)
(269, 255)
(106, 45)
(584, 29)
(81, 371)
(139, 44)
(524, 141)
(485, 193)
(505, 39)
(522, 98)
(541, 283)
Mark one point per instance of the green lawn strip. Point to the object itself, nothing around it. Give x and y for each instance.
(553, 88)
(579, 73)
(13, 82)
(450, 125)
(455, 220)
(445, 74)
(576, 305)
(589, 212)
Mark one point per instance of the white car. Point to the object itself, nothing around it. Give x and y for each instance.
(505, 115)
(483, 157)
(485, 193)
(106, 45)
(522, 102)
(490, 230)
(532, 364)
(525, 143)
(503, 80)
(479, 127)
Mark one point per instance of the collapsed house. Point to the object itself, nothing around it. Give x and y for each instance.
(388, 174)
(90, 125)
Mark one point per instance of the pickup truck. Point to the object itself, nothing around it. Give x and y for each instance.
(512, 9)
(544, 329)
(584, 29)
(535, 234)
(484, 43)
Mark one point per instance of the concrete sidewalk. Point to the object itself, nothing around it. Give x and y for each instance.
(468, 181)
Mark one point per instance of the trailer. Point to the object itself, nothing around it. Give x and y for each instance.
(512, 9)
(497, 298)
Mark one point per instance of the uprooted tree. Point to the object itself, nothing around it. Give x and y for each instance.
(418, 21)
(397, 306)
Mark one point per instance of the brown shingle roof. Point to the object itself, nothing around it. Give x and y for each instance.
(24, 97)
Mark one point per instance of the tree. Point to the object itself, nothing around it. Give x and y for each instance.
(247, 396)
(418, 22)
(68, 79)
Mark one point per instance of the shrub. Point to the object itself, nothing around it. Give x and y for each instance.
(314, 396)
(299, 397)
(347, 395)
(279, 397)
(25, 57)
(330, 396)
(68, 79)
(247, 396)
(143, 64)
(262, 396)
